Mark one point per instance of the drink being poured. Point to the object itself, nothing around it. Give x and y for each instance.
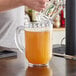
(38, 35)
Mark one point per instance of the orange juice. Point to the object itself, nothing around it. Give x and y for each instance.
(38, 47)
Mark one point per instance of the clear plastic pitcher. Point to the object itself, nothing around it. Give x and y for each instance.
(38, 42)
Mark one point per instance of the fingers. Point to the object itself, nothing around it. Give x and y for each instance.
(38, 8)
(43, 1)
(41, 4)
(37, 5)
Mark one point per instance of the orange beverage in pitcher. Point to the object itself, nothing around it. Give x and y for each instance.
(38, 46)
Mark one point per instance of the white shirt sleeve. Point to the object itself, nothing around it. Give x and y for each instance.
(9, 21)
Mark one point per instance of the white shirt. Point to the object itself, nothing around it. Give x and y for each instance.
(9, 21)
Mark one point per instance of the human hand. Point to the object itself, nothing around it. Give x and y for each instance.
(37, 5)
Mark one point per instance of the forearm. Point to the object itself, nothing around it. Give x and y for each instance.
(9, 4)
(37, 5)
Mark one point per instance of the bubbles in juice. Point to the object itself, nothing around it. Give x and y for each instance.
(38, 29)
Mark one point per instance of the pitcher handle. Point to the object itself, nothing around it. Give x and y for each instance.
(17, 38)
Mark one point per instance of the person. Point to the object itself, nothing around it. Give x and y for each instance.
(12, 16)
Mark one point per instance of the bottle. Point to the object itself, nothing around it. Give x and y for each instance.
(32, 14)
(62, 19)
(57, 21)
(63, 15)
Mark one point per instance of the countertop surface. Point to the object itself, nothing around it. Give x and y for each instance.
(18, 66)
